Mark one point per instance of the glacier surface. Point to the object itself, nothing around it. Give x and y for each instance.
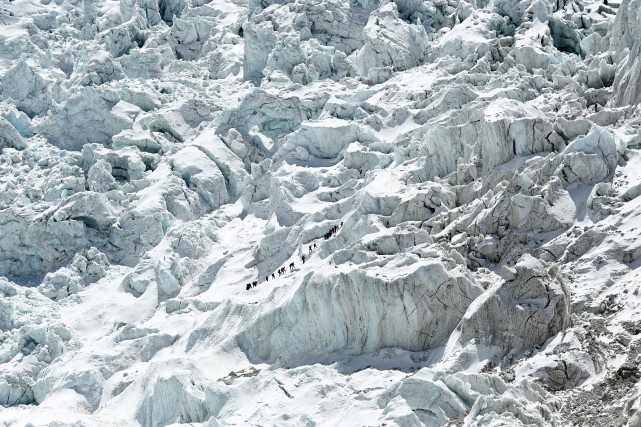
(320, 212)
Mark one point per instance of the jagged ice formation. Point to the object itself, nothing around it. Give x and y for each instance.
(461, 176)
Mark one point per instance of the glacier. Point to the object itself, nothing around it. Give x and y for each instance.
(437, 201)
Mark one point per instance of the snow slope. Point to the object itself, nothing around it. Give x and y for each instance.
(462, 178)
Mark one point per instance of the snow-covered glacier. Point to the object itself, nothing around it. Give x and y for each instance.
(320, 213)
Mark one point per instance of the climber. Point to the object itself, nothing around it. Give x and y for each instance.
(291, 267)
(273, 276)
(310, 249)
(314, 245)
(254, 284)
(248, 287)
(267, 278)
(303, 258)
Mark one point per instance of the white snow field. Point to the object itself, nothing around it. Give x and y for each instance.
(463, 178)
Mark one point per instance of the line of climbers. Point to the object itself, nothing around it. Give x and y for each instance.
(283, 270)
(332, 231)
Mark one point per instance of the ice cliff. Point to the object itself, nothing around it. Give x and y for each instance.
(438, 202)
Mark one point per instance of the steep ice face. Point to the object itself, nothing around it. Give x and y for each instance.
(522, 312)
(101, 120)
(625, 43)
(357, 313)
(320, 212)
